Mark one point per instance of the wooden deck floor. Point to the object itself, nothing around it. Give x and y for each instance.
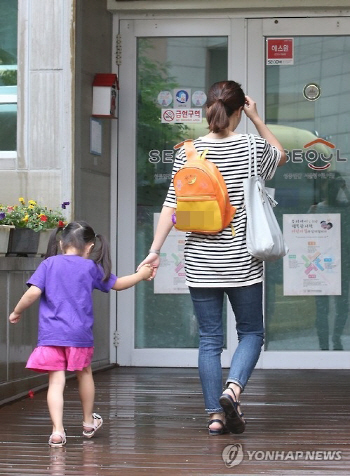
(298, 423)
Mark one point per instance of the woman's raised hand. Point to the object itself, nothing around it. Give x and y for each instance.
(250, 108)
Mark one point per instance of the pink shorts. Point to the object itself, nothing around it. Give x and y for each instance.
(48, 358)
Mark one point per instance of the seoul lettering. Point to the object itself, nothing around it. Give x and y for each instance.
(316, 160)
(311, 156)
(164, 156)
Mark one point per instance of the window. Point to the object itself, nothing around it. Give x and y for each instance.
(8, 76)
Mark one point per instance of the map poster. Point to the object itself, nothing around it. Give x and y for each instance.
(312, 266)
(170, 277)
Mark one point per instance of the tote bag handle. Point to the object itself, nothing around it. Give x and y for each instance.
(252, 145)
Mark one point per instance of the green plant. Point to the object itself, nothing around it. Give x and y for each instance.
(153, 76)
(31, 215)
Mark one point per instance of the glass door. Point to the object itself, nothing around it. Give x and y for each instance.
(173, 74)
(160, 106)
(307, 105)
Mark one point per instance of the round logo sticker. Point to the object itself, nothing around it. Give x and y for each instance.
(164, 98)
(312, 92)
(199, 98)
(182, 96)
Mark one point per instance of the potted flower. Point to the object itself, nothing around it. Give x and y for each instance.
(32, 226)
(4, 237)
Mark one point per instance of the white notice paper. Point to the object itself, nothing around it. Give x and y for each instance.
(313, 265)
(170, 278)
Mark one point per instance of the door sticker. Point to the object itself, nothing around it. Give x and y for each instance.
(199, 98)
(279, 51)
(179, 116)
(164, 98)
(312, 92)
(182, 98)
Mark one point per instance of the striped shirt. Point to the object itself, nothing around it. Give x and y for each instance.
(222, 260)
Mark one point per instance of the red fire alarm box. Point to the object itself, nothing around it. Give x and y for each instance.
(104, 95)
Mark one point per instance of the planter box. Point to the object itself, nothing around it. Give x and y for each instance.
(23, 242)
(4, 238)
(44, 237)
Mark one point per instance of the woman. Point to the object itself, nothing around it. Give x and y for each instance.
(220, 264)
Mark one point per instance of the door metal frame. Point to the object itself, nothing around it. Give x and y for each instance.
(245, 65)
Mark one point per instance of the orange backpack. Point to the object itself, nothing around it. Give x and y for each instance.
(203, 204)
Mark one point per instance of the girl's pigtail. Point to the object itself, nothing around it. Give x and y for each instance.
(52, 247)
(103, 257)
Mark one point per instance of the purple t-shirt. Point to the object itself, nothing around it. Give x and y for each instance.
(66, 309)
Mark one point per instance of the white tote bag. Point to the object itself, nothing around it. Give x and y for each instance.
(264, 237)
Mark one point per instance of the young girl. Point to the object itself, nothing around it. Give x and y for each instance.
(64, 282)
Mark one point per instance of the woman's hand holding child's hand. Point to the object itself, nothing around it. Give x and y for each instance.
(146, 271)
(153, 260)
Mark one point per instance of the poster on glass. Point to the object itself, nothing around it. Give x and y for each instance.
(313, 265)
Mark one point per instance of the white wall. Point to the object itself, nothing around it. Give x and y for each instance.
(42, 170)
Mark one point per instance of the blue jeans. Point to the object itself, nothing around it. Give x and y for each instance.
(246, 302)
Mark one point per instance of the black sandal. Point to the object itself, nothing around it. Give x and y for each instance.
(234, 420)
(218, 431)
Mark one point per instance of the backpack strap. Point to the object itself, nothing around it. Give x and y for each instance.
(178, 146)
(190, 150)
